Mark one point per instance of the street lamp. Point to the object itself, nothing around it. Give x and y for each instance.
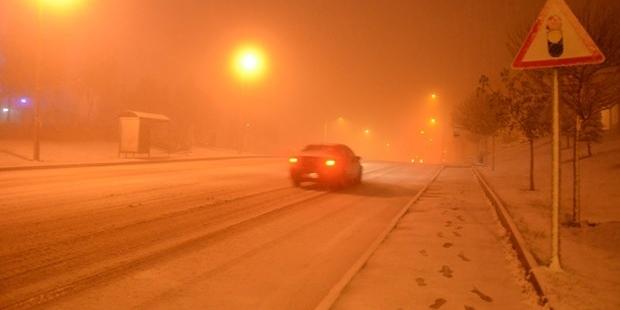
(56, 5)
(248, 64)
(326, 126)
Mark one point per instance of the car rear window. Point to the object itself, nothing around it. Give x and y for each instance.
(318, 147)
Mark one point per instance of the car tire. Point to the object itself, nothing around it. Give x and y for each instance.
(358, 179)
(296, 182)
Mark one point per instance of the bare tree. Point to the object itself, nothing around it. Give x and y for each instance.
(528, 106)
(482, 113)
(589, 90)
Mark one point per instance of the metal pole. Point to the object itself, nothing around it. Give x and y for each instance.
(576, 175)
(37, 89)
(324, 131)
(555, 191)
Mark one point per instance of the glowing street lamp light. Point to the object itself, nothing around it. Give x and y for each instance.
(434, 96)
(433, 121)
(326, 125)
(59, 3)
(249, 63)
(367, 131)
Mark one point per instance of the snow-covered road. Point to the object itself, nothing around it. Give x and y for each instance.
(210, 235)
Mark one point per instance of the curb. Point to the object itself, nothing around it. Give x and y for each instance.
(123, 163)
(328, 301)
(525, 257)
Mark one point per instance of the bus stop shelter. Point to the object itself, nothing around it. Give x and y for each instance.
(135, 132)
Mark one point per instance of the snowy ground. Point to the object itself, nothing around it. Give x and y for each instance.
(19, 152)
(234, 234)
(227, 234)
(448, 252)
(591, 254)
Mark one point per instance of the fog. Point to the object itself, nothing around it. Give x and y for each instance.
(333, 69)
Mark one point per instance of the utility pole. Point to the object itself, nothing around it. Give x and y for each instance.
(36, 149)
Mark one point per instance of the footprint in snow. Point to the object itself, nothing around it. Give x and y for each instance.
(469, 307)
(420, 281)
(440, 234)
(423, 252)
(482, 295)
(438, 303)
(456, 233)
(460, 217)
(447, 245)
(446, 271)
(463, 257)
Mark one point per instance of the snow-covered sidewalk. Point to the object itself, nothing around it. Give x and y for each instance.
(449, 251)
(18, 153)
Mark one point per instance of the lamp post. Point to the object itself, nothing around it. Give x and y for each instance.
(249, 65)
(40, 4)
(36, 148)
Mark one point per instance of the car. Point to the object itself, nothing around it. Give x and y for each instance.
(334, 165)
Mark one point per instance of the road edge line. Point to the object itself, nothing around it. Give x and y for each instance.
(517, 240)
(328, 301)
(124, 163)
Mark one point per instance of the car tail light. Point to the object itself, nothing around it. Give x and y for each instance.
(330, 163)
(293, 160)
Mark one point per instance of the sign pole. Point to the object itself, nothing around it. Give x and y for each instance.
(555, 191)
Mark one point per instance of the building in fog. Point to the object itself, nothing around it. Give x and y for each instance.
(611, 118)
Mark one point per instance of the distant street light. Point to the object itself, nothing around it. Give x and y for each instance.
(326, 126)
(433, 121)
(434, 96)
(367, 131)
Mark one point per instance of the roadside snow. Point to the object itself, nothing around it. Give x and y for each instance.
(19, 152)
(590, 255)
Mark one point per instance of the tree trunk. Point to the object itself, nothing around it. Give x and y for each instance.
(493, 151)
(576, 175)
(532, 187)
(589, 149)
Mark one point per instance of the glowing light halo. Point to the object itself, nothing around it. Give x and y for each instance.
(60, 4)
(249, 63)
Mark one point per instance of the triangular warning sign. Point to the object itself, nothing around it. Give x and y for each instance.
(557, 39)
